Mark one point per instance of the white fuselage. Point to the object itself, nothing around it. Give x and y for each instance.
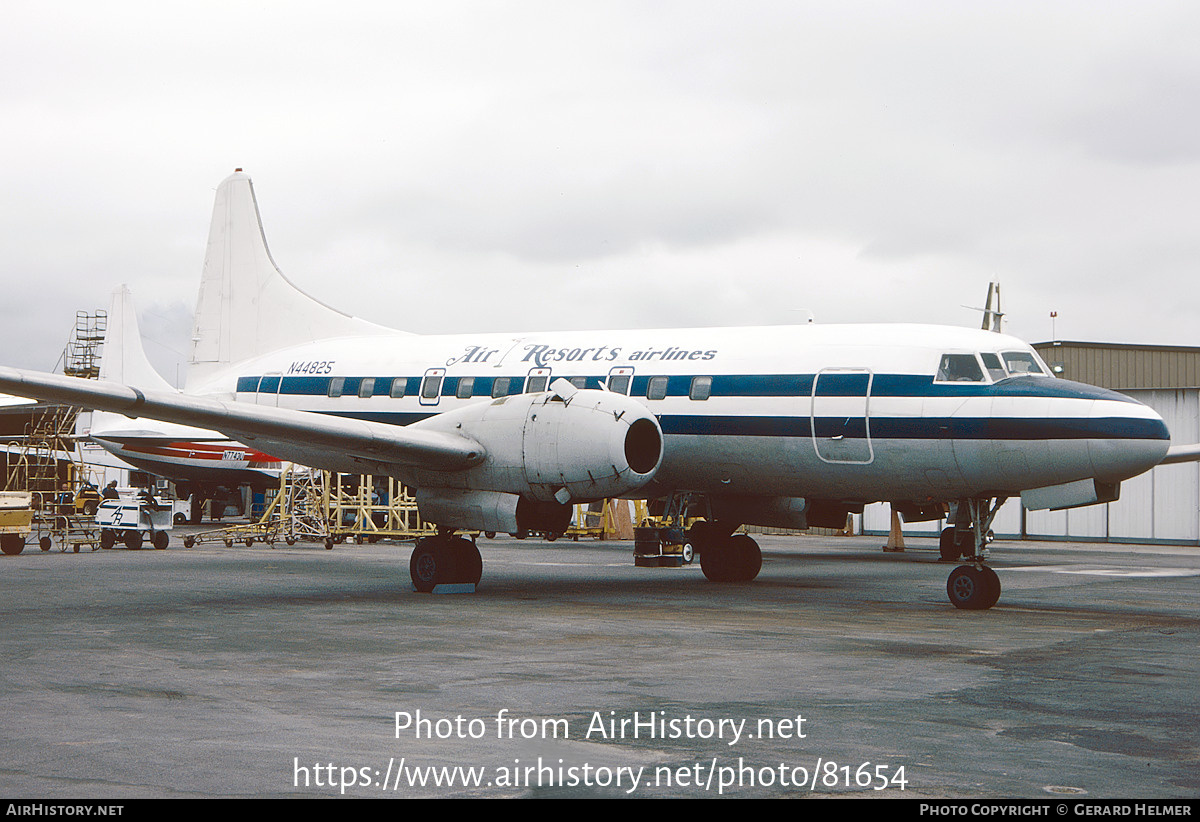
(863, 413)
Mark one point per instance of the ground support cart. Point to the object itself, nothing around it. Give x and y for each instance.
(266, 531)
(132, 520)
(661, 546)
(70, 531)
(16, 520)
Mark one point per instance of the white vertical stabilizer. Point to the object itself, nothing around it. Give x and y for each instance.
(124, 358)
(124, 361)
(246, 307)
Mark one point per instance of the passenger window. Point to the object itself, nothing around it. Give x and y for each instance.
(701, 388)
(1021, 362)
(432, 388)
(500, 386)
(367, 387)
(535, 385)
(619, 384)
(959, 368)
(336, 384)
(466, 387)
(579, 382)
(656, 389)
(399, 385)
(992, 363)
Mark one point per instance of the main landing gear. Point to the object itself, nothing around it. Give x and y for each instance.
(444, 560)
(725, 557)
(971, 587)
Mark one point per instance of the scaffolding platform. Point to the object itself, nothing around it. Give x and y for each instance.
(368, 509)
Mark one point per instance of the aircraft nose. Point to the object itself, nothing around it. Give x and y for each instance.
(1132, 437)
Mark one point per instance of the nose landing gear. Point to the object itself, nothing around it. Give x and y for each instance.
(973, 587)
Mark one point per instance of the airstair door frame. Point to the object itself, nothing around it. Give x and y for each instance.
(269, 396)
(840, 417)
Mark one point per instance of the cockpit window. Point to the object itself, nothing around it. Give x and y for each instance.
(1020, 363)
(960, 368)
(993, 365)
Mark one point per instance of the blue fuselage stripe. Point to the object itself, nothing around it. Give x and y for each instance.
(925, 428)
(848, 384)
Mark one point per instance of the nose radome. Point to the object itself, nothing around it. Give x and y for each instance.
(1134, 439)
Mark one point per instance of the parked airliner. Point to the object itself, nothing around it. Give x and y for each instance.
(203, 464)
(787, 426)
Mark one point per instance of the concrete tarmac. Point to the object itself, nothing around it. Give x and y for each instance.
(841, 671)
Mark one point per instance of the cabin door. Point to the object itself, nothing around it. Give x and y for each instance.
(841, 426)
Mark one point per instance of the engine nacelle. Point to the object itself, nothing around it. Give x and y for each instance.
(563, 445)
(491, 511)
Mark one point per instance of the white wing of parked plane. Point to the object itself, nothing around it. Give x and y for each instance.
(288, 434)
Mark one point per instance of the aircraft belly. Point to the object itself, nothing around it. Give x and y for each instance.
(991, 466)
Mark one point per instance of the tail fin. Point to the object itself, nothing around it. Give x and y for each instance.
(246, 307)
(124, 359)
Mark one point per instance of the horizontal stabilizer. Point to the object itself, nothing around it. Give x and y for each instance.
(7, 400)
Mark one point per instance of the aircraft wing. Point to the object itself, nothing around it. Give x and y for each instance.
(358, 445)
(1182, 453)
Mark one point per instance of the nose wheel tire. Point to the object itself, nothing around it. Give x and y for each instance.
(973, 588)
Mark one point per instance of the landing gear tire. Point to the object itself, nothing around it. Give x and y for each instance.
(444, 560)
(747, 558)
(973, 588)
(735, 559)
(950, 548)
(428, 565)
(468, 560)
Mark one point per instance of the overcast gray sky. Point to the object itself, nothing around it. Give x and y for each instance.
(458, 166)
